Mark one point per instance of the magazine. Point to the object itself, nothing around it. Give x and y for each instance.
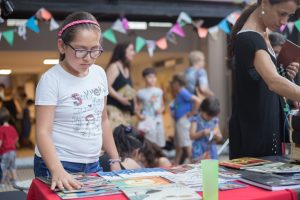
(277, 168)
(269, 181)
(241, 163)
(165, 192)
(141, 182)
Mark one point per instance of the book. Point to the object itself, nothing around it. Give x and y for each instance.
(241, 163)
(141, 182)
(269, 181)
(277, 168)
(172, 191)
(290, 52)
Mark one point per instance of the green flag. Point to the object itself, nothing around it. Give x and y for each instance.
(110, 36)
(9, 36)
(297, 24)
(139, 43)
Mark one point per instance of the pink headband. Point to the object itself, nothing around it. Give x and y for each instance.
(75, 23)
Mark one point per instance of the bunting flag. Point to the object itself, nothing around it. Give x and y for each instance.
(290, 26)
(9, 36)
(177, 30)
(297, 24)
(232, 17)
(125, 23)
(202, 32)
(151, 46)
(118, 26)
(197, 24)
(110, 36)
(0, 36)
(22, 32)
(171, 37)
(139, 43)
(43, 14)
(184, 17)
(53, 24)
(31, 24)
(162, 43)
(223, 25)
(282, 27)
(214, 32)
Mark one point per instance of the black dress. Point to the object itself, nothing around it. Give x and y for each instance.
(257, 120)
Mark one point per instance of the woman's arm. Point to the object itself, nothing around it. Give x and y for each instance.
(44, 122)
(112, 73)
(108, 140)
(276, 83)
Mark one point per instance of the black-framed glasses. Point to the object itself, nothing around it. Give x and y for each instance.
(82, 53)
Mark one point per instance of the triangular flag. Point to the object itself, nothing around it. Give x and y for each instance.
(139, 43)
(202, 32)
(177, 30)
(297, 24)
(162, 43)
(53, 24)
(43, 14)
(110, 36)
(9, 36)
(182, 23)
(118, 26)
(223, 25)
(214, 32)
(125, 23)
(183, 16)
(31, 24)
(151, 46)
(198, 23)
(282, 27)
(0, 36)
(290, 26)
(232, 17)
(22, 32)
(171, 37)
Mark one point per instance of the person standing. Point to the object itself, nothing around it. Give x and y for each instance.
(257, 119)
(71, 117)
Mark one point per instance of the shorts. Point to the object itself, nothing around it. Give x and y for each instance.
(8, 161)
(182, 132)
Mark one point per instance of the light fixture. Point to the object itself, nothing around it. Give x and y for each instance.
(16, 22)
(137, 25)
(5, 71)
(160, 24)
(50, 61)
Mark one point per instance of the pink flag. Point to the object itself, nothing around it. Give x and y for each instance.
(125, 23)
(162, 43)
(202, 32)
(177, 30)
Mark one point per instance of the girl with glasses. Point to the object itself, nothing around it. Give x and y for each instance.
(71, 116)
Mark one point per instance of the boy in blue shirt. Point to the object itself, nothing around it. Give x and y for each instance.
(205, 130)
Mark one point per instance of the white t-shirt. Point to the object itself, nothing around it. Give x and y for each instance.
(79, 101)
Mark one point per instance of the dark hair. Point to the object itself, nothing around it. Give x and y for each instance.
(2, 85)
(243, 18)
(179, 78)
(29, 102)
(276, 39)
(126, 140)
(148, 71)
(119, 54)
(69, 34)
(4, 115)
(151, 152)
(210, 106)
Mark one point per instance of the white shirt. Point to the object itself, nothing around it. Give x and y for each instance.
(79, 101)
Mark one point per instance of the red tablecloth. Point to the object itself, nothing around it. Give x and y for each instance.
(40, 191)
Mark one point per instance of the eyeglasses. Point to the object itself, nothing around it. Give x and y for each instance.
(82, 53)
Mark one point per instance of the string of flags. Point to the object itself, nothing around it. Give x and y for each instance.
(121, 25)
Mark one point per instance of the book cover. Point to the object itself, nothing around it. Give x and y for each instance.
(290, 52)
(241, 163)
(269, 181)
(277, 168)
(141, 182)
(166, 192)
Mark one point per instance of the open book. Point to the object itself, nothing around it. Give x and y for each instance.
(290, 52)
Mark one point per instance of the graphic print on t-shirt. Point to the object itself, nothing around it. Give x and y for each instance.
(87, 111)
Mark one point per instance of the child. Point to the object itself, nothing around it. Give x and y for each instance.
(205, 130)
(26, 124)
(8, 140)
(71, 115)
(184, 107)
(151, 105)
(127, 145)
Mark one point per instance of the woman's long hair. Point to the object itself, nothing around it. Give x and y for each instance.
(119, 54)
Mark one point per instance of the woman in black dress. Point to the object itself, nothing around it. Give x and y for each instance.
(257, 123)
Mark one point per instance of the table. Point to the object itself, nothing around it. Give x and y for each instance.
(40, 191)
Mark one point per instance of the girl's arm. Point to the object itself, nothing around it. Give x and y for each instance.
(196, 135)
(44, 122)
(217, 134)
(108, 140)
(112, 73)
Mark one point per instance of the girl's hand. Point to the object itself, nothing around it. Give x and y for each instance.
(63, 180)
(292, 69)
(115, 166)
